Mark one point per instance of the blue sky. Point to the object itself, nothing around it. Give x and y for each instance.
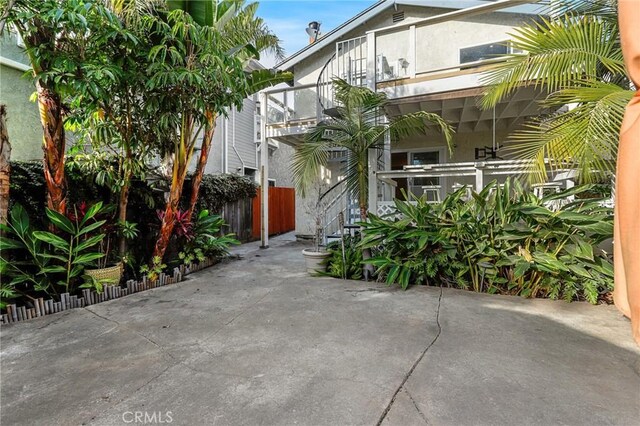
(288, 19)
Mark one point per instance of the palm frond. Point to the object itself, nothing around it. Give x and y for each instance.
(308, 160)
(603, 9)
(585, 136)
(362, 98)
(261, 79)
(560, 52)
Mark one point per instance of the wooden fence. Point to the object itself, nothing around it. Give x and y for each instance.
(282, 211)
(239, 216)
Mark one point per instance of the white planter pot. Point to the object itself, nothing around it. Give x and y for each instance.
(314, 260)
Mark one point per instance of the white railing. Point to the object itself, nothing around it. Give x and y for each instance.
(339, 203)
(348, 63)
(474, 176)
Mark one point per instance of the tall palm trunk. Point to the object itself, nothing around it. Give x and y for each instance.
(202, 162)
(51, 117)
(363, 201)
(182, 155)
(5, 167)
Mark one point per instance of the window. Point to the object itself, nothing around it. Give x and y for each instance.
(418, 158)
(250, 173)
(483, 51)
(257, 127)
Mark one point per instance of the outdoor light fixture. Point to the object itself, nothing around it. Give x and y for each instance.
(488, 153)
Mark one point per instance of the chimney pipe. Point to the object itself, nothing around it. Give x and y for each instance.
(314, 31)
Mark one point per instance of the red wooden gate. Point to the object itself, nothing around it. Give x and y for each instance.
(282, 211)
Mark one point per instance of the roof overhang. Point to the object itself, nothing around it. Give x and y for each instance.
(461, 108)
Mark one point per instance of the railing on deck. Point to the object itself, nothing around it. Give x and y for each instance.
(348, 63)
(473, 176)
(293, 105)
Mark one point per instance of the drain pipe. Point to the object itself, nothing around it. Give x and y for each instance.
(233, 127)
(225, 142)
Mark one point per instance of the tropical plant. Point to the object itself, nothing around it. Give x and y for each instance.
(347, 265)
(192, 73)
(359, 126)
(115, 115)
(245, 36)
(60, 37)
(573, 53)
(206, 236)
(153, 270)
(504, 240)
(44, 261)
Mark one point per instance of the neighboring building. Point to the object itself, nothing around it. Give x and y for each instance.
(16, 90)
(236, 144)
(426, 56)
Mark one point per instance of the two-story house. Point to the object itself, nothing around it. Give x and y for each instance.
(425, 55)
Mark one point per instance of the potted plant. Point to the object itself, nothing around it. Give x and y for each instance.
(316, 258)
(110, 266)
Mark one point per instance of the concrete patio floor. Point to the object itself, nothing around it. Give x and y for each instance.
(258, 342)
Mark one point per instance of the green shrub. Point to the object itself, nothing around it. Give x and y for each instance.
(204, 238)
(34, 261)
(349, 266)
(504, 240)
(217, 190)
(28, 188)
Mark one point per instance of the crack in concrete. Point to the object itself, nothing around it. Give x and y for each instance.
(160, 347)
(415, 404)
(413, 367)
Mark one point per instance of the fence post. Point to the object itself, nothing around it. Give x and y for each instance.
(264, 168)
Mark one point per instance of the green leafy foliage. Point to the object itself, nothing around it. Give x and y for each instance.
(574, 57)
(42, 261)
(153, 270)
(27, 188)
(503, 240)
(349, 265)
(206, 238)
(217, 190)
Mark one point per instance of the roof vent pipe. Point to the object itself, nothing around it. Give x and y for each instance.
(314, 31)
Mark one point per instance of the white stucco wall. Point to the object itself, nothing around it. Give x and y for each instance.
(437, 45)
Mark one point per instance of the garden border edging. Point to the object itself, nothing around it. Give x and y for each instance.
(91, 297)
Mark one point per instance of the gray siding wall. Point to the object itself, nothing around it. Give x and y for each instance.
(241, 137)
(238, 129)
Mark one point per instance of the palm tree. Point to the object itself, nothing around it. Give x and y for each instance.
(574, 54)
(359, 125)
